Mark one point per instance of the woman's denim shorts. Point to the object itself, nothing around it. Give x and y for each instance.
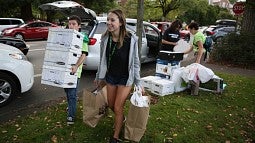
(116, 80)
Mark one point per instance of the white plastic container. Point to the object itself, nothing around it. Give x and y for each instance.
(146, 81)
(162, 87)
(65, 37)
(59, 77)
(63, 59)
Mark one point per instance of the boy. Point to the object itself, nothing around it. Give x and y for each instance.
(74, 22)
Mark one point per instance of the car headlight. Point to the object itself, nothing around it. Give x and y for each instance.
(8, 31)
(18, 56)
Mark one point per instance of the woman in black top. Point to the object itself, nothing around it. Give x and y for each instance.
(119, 66)
(171, 36)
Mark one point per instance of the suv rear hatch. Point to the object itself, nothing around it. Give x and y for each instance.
(69, 8)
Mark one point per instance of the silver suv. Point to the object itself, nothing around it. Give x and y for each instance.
(95, 26)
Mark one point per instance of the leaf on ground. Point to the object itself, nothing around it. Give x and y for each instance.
(71, 134)
(18, 129)
(15, 137)
(54, 139)
(174, 135)
(4, 131)
(209, 127)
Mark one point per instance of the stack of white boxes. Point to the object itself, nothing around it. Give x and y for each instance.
(161, 83)
(62, 51)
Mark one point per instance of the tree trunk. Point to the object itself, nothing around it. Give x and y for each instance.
(248, 23)
(139, 28)
(26, 11)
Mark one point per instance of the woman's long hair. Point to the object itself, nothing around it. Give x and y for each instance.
(123, 31)
(175, 25)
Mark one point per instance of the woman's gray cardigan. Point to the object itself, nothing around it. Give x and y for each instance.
(133, 63)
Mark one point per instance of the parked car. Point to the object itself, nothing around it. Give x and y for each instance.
(31, 30)
(226, 22)
(15, 42)
(16, 73)
(221, 32)
(9, 22)
(94, 27)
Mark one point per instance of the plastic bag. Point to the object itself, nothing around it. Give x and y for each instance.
(137, 99)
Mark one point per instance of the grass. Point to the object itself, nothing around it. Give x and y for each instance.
(178, 118)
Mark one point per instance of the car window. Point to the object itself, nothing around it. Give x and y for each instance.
(32, 25)
(16, 22)
(101, 28)
(230, 29)
(45, 24)
(4, 22)
(132, 27)
(150, 30)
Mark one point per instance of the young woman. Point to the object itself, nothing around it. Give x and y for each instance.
(119, 66)
(198, 41)
(171, 36)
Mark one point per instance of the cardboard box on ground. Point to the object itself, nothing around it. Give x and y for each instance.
(63, 49)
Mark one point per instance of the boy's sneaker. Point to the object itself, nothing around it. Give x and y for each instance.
(70, 121)
(114, 140)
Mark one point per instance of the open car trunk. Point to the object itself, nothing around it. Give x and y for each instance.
(69, 8)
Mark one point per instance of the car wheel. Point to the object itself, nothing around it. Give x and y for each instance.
(19, 36)
(218, 40)
(8, 88)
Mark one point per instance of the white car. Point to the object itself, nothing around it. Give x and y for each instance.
(95, 26)
(16, 73)
(9, 22)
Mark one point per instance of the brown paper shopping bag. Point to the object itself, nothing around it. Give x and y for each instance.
(94, 106)
(136, 122)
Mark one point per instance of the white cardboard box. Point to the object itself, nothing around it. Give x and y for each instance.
(146, 81)
(162, 87)
(59, 77)
(66, 37)
(60, 58)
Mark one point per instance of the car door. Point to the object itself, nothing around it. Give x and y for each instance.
(31, 31)
(44, 29)
(153, 38)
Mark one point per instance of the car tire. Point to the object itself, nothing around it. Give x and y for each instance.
(19, 36)
(8, 88)
(218, 40)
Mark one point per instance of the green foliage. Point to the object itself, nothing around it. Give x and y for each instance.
(100, 6)
(236, 50)
(178, 118)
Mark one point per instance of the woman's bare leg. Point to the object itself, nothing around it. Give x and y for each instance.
(121, 96)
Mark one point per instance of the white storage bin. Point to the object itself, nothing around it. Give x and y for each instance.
(60, 58)
(162, 87)
(66, 37)
(59, 77)
(146, 81)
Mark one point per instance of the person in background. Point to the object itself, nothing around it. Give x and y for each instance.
(171, 36)
(119, 66)
(74, 22)
(198, 41)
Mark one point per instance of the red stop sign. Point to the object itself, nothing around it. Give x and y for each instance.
(238, 8)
